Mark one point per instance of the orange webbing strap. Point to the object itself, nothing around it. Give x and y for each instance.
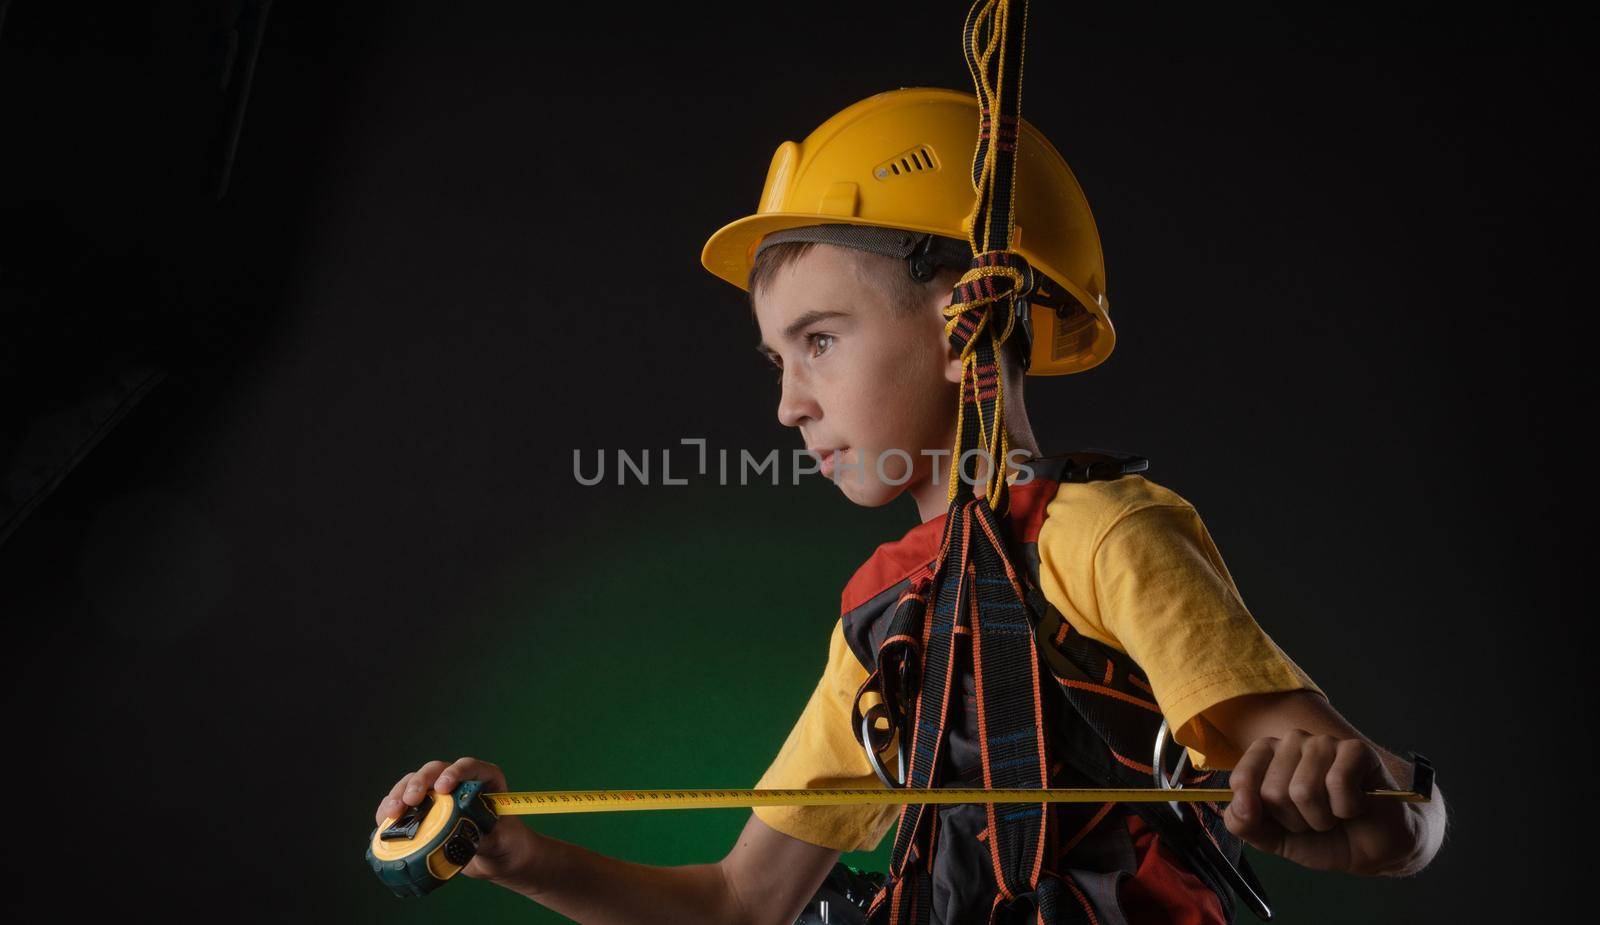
(907, 893)
(1010, 709)
(974, 584)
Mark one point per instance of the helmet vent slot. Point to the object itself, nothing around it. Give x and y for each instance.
(913, 161)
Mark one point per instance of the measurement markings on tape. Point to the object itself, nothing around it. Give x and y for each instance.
(549, 802)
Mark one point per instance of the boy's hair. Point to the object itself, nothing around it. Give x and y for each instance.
(906, 295)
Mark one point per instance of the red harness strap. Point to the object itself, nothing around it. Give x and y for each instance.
(1163, 891)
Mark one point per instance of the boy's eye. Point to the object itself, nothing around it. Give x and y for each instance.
(814, 339)
(819, 344)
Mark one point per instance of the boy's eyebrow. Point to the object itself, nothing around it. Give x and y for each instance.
(810, 317)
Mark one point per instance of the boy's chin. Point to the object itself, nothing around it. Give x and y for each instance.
(868, 492)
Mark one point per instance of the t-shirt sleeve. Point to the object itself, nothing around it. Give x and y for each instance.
(1163, 593)
(821, 752)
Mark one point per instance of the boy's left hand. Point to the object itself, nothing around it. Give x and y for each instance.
(1302, 797)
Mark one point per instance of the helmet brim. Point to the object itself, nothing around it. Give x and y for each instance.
(730, 252)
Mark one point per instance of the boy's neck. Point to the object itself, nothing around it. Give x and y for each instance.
(932, 492)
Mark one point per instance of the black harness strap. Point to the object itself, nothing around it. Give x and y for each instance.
(977, 591)
(1011, 726)
(1097, 727)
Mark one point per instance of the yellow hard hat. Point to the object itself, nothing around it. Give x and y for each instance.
(902, 159)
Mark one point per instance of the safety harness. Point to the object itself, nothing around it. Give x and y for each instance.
(1049, 707)
(1099, 725)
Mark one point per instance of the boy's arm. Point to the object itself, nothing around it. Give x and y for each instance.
(1298, 788)
(766, 879)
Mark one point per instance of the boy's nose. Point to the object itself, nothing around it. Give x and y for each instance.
(796, 405)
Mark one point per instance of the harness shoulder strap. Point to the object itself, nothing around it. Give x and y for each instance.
(1088, 465)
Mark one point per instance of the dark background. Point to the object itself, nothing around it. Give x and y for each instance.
(288, 499)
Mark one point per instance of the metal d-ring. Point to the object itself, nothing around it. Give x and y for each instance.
(1175, 782)
(872, 714)
(1245, 887)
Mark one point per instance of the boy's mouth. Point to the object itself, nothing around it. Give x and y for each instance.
(826, 457)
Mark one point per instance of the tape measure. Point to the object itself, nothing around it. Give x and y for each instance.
(433, 840)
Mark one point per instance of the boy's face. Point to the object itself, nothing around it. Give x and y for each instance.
(858, 375)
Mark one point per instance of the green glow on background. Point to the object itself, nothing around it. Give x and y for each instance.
(668, 646)
(672, 645)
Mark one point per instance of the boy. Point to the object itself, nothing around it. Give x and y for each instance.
(842, 262)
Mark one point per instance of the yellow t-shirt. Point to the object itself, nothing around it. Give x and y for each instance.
(1127, 562)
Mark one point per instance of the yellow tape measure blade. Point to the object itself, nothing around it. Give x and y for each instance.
(551, 802)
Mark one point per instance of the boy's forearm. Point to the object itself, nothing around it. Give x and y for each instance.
(594, 889)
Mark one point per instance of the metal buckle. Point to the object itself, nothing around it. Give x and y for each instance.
(1242, 886)
(1174, 782)
(1022, 307)
(867, 721)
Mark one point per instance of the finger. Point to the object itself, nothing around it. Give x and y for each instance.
(1245, 779)
(1245, 816)
(1355, 766)
(416, 789)
(390, 806)
(1275, 783)
(471, 769)
(1308, 788)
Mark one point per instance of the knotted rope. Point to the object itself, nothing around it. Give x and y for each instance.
(999, 279)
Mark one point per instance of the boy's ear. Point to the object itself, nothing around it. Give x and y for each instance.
(946, 283)
(952, 361)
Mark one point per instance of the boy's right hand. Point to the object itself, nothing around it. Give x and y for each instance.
(508, 847)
